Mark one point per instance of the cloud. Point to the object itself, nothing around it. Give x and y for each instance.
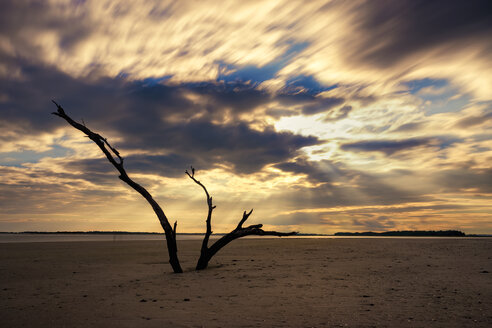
(409, 127)
(292, 102)
(321, 171)
(388, 147)
(234, 97)
(46, 192)
(246, 149)
(341, 113)
(321, 106)
(470, 121)
(465, 179)
(154, 118)
(372, 46)
(381, 223)
(141, 39)
(334, 184)
(308, 103)
(400, 29)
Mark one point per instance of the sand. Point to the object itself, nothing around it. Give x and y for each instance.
(360, 282)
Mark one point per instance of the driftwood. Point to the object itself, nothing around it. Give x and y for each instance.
(115, 158)
(206, 252)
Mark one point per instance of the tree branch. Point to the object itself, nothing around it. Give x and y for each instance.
(245, 217)
(208, 252)
(114, 157)
(211, 207)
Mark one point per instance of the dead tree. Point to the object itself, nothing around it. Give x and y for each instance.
(114, 158)
(206, 252)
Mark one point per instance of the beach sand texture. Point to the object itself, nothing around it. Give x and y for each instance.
(353, 282)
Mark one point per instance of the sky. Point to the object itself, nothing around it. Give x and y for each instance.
(323, 116)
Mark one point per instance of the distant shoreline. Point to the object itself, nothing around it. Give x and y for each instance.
(127, 233)
(406, 233)
(410, 233)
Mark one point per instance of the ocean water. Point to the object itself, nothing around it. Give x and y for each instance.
(61, 237)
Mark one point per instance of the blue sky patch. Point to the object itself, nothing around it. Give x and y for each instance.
(257, 74)
(18, 158)
(415, 86)
(308, 83)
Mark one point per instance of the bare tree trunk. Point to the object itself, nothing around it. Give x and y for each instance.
(114, 158)
(207, 253)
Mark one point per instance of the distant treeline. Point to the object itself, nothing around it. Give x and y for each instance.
(413, 233)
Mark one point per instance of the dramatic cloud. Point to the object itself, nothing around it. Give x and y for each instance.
(323, 115)
(155, 118)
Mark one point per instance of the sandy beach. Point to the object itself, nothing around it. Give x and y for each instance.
(353, 282)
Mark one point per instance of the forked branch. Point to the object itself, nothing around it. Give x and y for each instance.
(211, 207)
(208, 252)
(114, 157)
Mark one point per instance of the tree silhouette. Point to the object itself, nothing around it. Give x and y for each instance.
(114, 157)
(208, 252)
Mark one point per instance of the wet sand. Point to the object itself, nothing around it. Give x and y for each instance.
(251, 283)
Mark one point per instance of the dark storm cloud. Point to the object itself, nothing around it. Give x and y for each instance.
(165, 165)
(27, 106)
(237, 144)
(388, 147)
(153, 117)
(396, 29)
(234, 96)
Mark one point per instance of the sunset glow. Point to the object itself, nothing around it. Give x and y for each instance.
(323, 116)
